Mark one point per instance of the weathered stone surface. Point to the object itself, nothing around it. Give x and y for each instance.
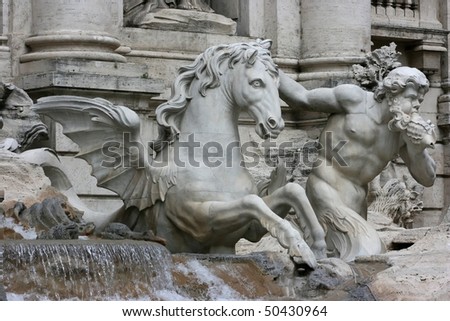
(21, 181)
(61, 231)
(90, 81)
(330, 274)
(415, 268)
(420, 272)
(193, 21)
(119, 231)
(409, 237)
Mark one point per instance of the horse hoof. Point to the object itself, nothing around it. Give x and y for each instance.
(185, 7)
(303, 255)
(305, 263)
(320, 251)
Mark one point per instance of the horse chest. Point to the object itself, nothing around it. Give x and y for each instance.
(228, 183)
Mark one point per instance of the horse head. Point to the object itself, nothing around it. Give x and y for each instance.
(254, 88)
(245, 73)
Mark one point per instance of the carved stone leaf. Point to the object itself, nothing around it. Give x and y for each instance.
(377, 65)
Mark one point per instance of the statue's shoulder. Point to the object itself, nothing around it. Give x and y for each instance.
(351, 97)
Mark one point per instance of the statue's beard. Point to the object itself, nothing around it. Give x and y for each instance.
(400, 119)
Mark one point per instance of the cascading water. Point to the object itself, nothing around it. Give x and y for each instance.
(87, 270)
(130, 270)
(2, 290)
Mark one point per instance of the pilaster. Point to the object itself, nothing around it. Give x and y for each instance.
(335, 35)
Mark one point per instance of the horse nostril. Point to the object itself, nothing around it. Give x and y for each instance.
(272, 123)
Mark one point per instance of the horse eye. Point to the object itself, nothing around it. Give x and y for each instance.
(257, 83)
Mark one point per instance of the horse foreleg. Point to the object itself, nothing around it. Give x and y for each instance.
(293, 196)
(228, 217)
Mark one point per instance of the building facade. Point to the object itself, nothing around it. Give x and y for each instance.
(102, 48)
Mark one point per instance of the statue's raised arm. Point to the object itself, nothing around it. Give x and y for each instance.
(340, 99)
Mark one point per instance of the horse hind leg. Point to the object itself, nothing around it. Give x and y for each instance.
(217, 220)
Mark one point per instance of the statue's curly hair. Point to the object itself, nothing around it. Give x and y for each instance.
(397, 80)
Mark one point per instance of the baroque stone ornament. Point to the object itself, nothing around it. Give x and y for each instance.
(26, 170)
(400, 200)
(378, 64)
(20, 127)
(54, 218)
(189, 185)
(363, 134)
(181, 15)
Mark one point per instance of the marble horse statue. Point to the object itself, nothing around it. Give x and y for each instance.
(189, 186)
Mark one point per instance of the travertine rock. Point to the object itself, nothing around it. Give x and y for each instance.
(20, 180)
(420, 272)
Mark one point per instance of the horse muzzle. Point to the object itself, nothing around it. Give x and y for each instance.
(271, 128)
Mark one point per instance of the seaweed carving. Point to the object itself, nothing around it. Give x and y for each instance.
(377, 65)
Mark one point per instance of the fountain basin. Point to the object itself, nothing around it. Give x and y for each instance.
(130, 270)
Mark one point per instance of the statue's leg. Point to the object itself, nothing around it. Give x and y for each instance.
(201, 5)
(214, 221)
(185, 5)
(347, 234)
(293, 196)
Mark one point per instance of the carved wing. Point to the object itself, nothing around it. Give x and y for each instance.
(109, 139)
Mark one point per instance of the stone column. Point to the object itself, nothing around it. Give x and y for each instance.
(74, 29)
(5, 52)
(335, 35)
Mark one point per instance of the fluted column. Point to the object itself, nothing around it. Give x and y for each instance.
(74, 29)
(335, 35)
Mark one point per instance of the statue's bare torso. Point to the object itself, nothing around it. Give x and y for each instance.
(363, 147)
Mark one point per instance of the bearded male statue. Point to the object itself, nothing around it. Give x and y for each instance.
(364, 132)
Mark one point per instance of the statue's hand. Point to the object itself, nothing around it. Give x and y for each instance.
(9, 144)
(419, 134)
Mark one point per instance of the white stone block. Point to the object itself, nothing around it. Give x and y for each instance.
(78, 172)
(433, 197)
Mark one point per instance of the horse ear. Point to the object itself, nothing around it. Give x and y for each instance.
(252, 59)
(266, 44)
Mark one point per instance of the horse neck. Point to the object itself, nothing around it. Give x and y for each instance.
(211, 118)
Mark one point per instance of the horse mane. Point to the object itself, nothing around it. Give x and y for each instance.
(207, 69)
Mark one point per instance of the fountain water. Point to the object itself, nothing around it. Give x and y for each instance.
(131, 270)
(88, 270)
(2, 290)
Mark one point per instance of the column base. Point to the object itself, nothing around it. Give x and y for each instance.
(325, 68)
(90, 47)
